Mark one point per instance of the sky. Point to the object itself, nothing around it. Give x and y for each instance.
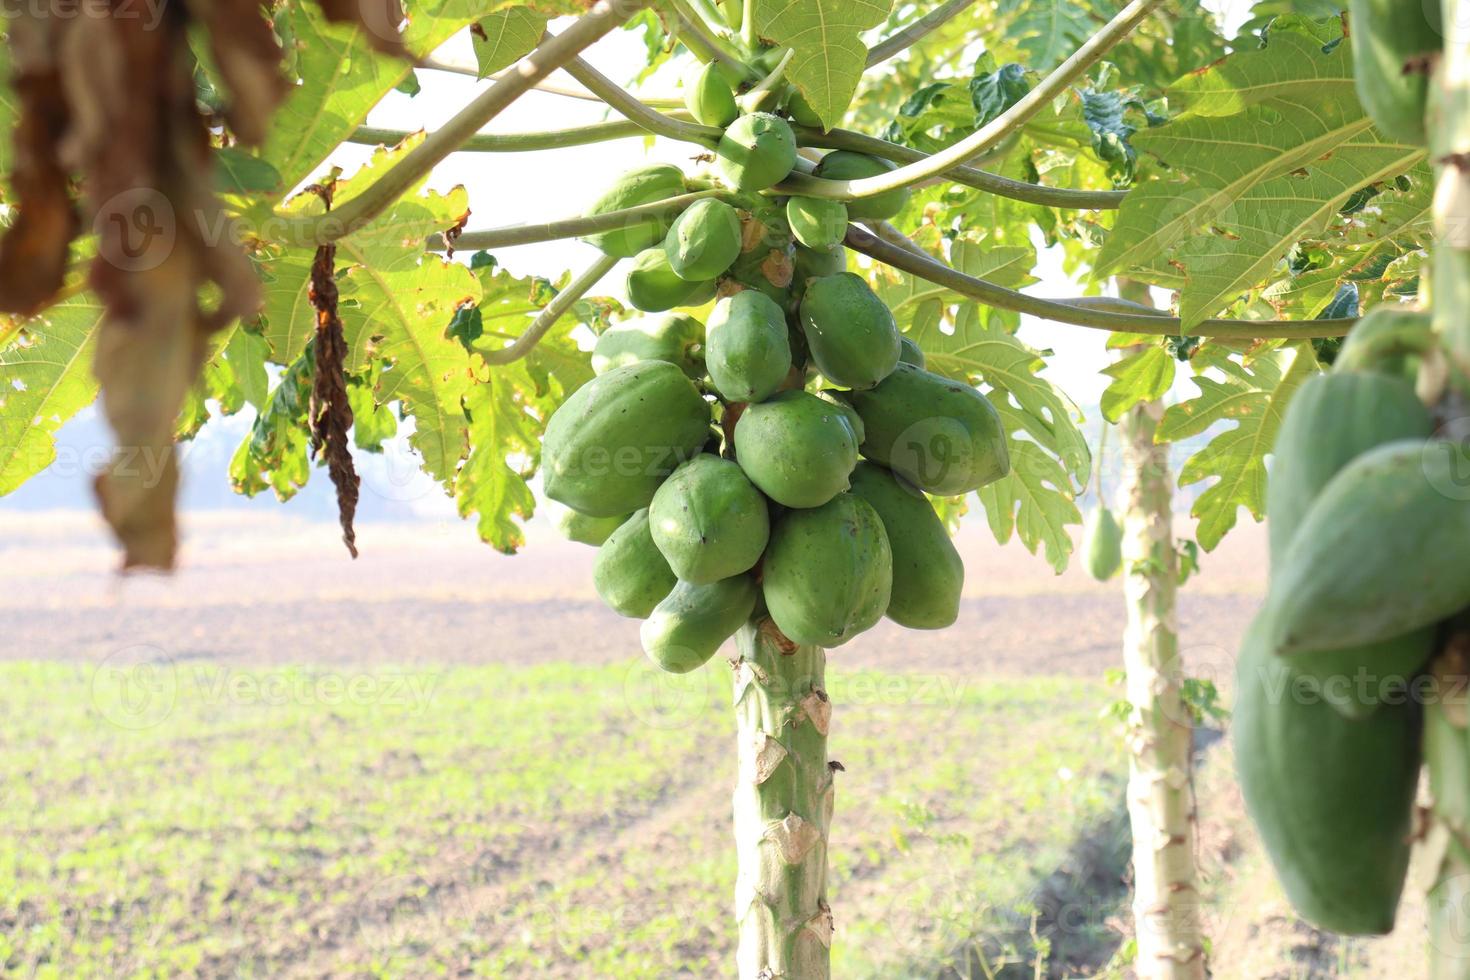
(503, 189)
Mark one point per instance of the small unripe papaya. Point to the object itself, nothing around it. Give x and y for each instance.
(1392, 41)
(797, 448)
(630, 574)
(1102, 544)
(817, 222)
(579, 527)
(708, 96)
(1390, 339)
(928, 573)
(674, 337)
(828, 574)
(851, 333)
(653, 286)
(847, 165)
(942, 436)
(910, 352)
(688, 627)
(644, 185)
(703, 241)
(748, 355)
(757, 151)
(709, 520)
(801, 111)
(609, 446)
(815, 263)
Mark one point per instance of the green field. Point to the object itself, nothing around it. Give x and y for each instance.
(521, 821)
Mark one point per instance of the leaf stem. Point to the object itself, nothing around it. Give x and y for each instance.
(626, 104)
(554, 311)
(550, 139)
(993, 132)
(916, 31)
(452, 67)
(1016, 190)
(569, 227)
(698, 27)
(1073, 311)
(751, 101)
(555, 51)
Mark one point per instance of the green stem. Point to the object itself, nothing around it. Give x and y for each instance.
(1077, 313)
(1016, 190)
(551, 54)
(551, 139)
(915, 32)
(452, 67)
(783, 807)
(548, 317)
(748, 33)
(751, 101)
(570, 227)
(696, 23)
(993, 132)
(625, 104)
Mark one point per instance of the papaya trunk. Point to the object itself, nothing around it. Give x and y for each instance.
(1166, 910)
(783, 807)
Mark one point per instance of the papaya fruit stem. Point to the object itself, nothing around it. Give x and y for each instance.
(782, 807)
(570, 227)
(915, 262)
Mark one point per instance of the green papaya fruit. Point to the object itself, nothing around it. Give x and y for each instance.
(816, 222)
(847, 165)
(688, 627)
(801, 111)
(797, 448)
(1380, 552)
(653, 286)
(1391, 40)
(709, 97)
(850, 332)
(1388, 338)
(703, 241)
(644, 185)
(579, 527)
(928, 573)
(828, 574)
(1332, 797)
(910, 352)
(709, 520)
(849, 414)
(610, 445)
(630, 574)
(942, 436)
(1102, 544)
(748, 355)
(815, 263)
(757, 151)
(674, 337)
(732, 11)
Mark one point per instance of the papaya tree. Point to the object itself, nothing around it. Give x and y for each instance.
(821, 363)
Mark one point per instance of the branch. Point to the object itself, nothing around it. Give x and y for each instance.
(992, 133)
(553, 312)
(416, 164)
(691, 21)
(550, 139)
(982, 180)
(550, 88)
(1079, 313)
(569, 227)
(625, 104)
(914, 33)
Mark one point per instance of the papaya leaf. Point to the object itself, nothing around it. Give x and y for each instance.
(240, 173)
(275, 454)
(1142, 376)
(501, 39)
(490, 485)
(828, 55)
(1048, 30)
(45, 379)
(1270, 146)
(1252, 394)
(234, 376)
(1050, 461)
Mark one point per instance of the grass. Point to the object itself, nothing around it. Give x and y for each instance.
(507, 821)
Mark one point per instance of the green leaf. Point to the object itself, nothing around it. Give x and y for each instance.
(504, 37)
(828, 56)
(238, 172)
(9, 112)
(1142, 376)
(275, 455)
(489, 485)
(1272, 144)
(1253, 396)
(45, 379)
(1049, 30)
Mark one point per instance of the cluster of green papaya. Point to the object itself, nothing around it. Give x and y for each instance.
(1368, 512)
(1394, 46)
(774, 459)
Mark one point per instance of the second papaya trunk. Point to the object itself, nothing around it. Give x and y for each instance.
(1166, 901)
(783, 807)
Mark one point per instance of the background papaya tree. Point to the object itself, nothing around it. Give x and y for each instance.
(214, 261)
